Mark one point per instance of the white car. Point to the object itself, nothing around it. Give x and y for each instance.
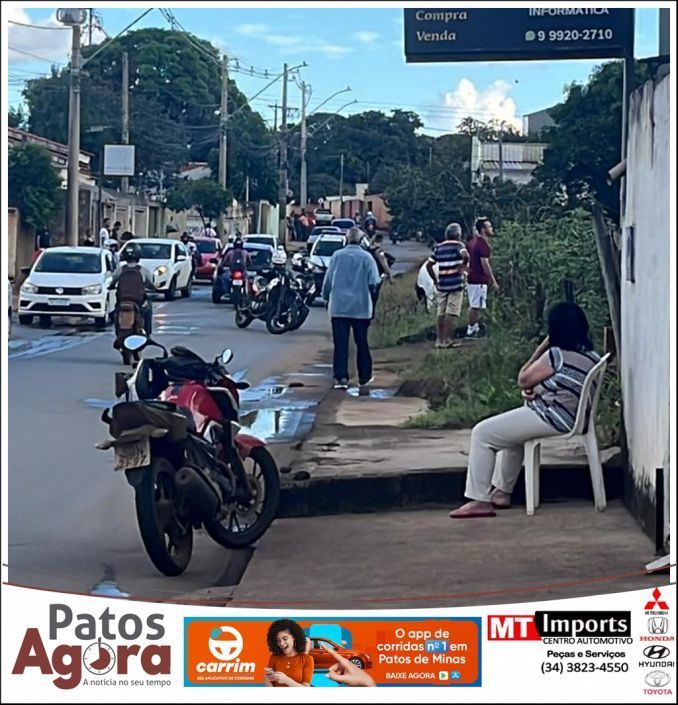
(263, 239)
(426, 288)
(69, 281)
(168, 262)
(321, 253)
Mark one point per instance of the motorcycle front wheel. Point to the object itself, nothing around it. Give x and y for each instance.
(240, 526)
(299, 317)
(242, 316)
(167, 539)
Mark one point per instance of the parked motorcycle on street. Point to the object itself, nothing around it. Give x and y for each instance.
(290, 301)
(177, 438)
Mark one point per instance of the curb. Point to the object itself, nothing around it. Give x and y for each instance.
(377, 493)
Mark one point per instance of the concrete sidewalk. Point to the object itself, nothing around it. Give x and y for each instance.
(423, 559)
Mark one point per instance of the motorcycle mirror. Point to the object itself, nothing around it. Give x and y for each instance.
(226, 356)
(242, 385)
(133, 343)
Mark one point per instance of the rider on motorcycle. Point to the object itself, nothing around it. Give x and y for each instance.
(237, 258)
(113, 246)
(132, 282)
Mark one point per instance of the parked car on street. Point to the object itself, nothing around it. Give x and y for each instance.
(323, 660)
(168, 262)
(323, 216)
(344, 224)
(9, 307)
(69, 281)
(260, 260)
(320, 230)
(263, 239)
(208, 249)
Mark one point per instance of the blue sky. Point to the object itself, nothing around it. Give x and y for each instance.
(357, 47)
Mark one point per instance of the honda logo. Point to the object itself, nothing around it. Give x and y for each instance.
(657, 679)
(656, 651)
(658, 625)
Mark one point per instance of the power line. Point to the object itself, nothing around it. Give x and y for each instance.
(37, 26)
(35, 56)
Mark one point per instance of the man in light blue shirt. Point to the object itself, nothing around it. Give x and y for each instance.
(351, 280)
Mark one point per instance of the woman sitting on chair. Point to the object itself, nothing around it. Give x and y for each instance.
(551, 382)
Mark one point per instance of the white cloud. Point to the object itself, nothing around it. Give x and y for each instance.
(252, 30)
(365, 36)
(51, 44)
(490, 103)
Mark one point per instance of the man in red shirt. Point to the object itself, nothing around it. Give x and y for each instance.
(480, 274)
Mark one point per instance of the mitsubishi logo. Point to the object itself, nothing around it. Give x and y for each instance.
(659, 603)
(656, 651)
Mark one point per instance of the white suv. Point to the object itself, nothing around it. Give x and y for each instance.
(69, 281)
(167, 261)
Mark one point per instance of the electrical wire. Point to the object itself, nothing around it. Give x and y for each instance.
(35, 56)
(36, 26)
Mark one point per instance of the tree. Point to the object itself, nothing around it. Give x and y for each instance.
(205, 195)
(17, 118)
(33, 184)
(175, 89)
(586, 140)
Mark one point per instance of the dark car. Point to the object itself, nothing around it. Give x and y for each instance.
(323, 660)
(344, 224)
(260, 260)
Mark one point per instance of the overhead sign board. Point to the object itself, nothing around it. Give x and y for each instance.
(118, 160)
(511, 34)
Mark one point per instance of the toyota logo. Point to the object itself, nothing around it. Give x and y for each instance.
(656, 651)
(59, 290)
(657, 679)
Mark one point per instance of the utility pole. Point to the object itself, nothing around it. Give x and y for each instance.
(501, 152)
(223, 141)
(282, 176)
(664, 31)
(124, 183)
(89, 12)
(74, 141)
(303, 196)
(341, 187)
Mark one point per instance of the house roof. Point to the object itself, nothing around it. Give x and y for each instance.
(58, 150)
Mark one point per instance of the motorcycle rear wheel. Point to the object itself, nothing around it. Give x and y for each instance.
(233, 531)
(300, 317)
(168, 544)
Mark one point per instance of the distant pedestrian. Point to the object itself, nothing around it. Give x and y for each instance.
(303, 225)
(127, 235)
(208, 230)
(350, 284)
(115, 233)
(88, 240)
(104, 233)
(480, 274)
(296, 226)
(451, 257)
(44, 239)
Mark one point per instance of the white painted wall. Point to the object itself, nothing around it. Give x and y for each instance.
(645, 304)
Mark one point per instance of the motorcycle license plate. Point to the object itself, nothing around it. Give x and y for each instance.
(58, 302)
(133, 455)
(237, 282)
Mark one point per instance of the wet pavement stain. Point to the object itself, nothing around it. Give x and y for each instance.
(374, 393)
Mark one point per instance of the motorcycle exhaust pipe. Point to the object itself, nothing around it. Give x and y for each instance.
(198, 491)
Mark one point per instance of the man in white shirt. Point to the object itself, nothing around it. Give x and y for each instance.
(104, 232)
(208, 231)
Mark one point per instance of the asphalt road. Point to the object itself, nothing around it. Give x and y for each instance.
(71, 518)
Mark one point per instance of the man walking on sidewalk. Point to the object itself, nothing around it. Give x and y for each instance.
(480, 275)
(451, 256)
(350, 283)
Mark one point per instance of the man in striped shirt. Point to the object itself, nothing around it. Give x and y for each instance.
(451, 257)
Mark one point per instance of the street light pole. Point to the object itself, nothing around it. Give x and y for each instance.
(304, 187)
(223, 136)
(73, 141)
(282, 176)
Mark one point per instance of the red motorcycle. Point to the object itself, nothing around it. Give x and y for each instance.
(177, 438)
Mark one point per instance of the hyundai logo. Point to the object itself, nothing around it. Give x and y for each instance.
(658, 625)
(657, 679)
(656, 651)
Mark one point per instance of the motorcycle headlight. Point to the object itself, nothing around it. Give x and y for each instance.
(159, 271)
(93, 289)
(28, 288)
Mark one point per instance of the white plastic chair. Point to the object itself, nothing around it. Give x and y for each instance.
(533, 447)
